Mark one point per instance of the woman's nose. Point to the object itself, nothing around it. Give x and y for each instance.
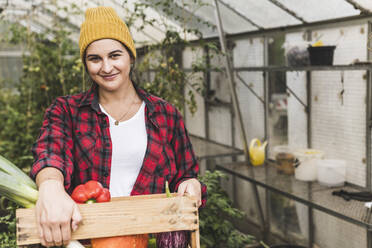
(106, 66)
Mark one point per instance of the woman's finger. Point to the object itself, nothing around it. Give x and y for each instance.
(182, 189)
(66, 233)
(191, 187)
(195, 192)
(194, 189)
(57, 234)
(47, 236)
(40, 229)
(76, 218)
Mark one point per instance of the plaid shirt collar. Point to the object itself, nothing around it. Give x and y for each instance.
(91, 99)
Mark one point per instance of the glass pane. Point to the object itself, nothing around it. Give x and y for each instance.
(365, 4)
(288, 218)
(10, 70)
(234, 20)
(317, 10)
(263, 13)
(231, 20)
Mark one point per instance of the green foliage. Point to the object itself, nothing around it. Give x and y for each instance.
(152, 242)
(7, 225)
(160, 69)
(216, 229)
(51, 68)
(168, 79)
(171, 11)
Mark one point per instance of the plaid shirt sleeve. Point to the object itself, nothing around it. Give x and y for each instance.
(54, 146)
(186, 161)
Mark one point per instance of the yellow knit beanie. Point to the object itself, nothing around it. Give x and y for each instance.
(103, 23)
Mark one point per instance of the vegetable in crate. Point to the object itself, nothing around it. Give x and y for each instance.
(128, 241)
(176, 239)
(91, 192)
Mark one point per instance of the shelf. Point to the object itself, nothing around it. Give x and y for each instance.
(309, 193)
(204, 148)
(306, 68)
(351, 67)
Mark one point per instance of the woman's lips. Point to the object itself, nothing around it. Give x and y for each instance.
(110, 77)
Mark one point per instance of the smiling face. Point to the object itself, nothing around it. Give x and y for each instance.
(108, 63)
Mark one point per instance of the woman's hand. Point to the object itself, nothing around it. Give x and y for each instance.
(192, 187)
(56, 213)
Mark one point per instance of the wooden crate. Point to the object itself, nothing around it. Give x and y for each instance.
(123, 216)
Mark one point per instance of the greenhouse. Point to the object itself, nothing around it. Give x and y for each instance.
(204, 123)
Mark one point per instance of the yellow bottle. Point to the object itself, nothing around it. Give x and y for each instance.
(257, 152)
(318, 43)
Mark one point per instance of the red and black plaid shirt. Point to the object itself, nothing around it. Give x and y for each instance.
(75, 138)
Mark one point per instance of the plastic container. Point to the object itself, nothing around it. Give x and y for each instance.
(332, 172)
(307, 169)
(297, 56)
(321, 55)
(285, 162)
(280, 149)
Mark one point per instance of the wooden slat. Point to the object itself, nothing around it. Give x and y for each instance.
(124, 216)
(195, 239)
(135, 197)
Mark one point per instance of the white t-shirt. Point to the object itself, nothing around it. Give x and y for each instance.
(129, 143)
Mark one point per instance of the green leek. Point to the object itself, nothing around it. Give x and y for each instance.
(14, 189)
(11, 169)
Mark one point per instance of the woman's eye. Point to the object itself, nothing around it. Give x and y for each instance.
(115, 55)
(94, 59)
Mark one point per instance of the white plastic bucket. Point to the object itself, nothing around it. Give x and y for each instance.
(332, 172)
(307, 169)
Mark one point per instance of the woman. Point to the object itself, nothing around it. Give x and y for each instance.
(115, 133)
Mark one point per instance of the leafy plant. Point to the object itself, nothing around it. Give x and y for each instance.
(215, 228)
(160, 70)
(51, 68)
(7, 226)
